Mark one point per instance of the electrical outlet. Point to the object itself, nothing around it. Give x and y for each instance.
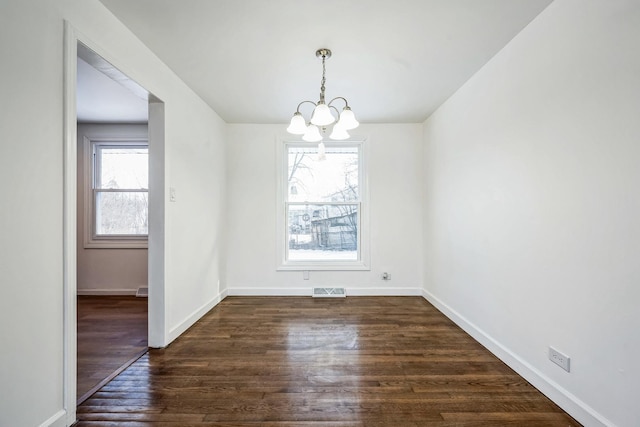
(559, 358)
(386, 276)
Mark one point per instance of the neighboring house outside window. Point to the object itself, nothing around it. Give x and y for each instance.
(117, 202)
(322, 207)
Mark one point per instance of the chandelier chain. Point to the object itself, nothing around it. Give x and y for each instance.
(324, 71)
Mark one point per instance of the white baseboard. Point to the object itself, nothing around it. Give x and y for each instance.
(384, 292)
(194, 317)
(105, 292)
(56, 420)
(307, 291)
(563, 398)
(269, 292)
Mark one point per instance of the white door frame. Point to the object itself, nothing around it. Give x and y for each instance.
(157, 329)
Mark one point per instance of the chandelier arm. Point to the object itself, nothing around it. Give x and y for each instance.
(336, 110)
(346, 104)
(304, 102)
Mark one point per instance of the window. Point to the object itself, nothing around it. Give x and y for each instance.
(118, 203)
(322, 207)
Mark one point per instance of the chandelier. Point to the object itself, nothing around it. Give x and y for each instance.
(322, 115)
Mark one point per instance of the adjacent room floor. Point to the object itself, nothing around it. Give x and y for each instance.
(112, 332)
(355, 361)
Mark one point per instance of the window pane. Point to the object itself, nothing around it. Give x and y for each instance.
(334, 179)
(121, 213)
(122, 167)
(323, 232)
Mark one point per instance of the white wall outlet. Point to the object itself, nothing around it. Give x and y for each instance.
(559, 358)
(386, 276)
(172, 194)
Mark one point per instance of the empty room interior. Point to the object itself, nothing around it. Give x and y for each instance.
(112, 115)
(286, 213)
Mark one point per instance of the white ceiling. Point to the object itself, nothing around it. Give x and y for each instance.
(102, 97)
(395, 61)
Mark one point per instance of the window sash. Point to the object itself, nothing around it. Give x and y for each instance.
(97, 150)
(323, 236)
(115, 236)
(319, 180)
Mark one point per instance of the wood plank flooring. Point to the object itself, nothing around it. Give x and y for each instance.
(356, 361)
(112, 330)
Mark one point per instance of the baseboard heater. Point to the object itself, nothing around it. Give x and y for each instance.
(142, 292)
(329, 292)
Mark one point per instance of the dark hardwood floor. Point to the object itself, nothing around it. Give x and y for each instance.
(112, 331)
(357, 361)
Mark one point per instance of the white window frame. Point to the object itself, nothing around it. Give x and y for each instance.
(91, 240)
(282, 250)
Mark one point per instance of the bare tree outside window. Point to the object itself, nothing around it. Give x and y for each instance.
(323, 203)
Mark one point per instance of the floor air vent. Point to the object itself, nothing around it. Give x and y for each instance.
(329, 292)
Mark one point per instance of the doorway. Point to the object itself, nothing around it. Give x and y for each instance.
(75, 41)
(112, 227)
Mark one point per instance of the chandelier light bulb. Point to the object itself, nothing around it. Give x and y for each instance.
(321, 153)
(297, 126)
(348, 119)
(312, 134)
(322, 115)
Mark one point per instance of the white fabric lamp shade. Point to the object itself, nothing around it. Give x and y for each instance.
(322, 115)
(298, 126)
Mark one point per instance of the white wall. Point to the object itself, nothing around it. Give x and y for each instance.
(31, 166)
(195, 222)
(30, 215)
(107, 271)
(532, 205)
(393, 160)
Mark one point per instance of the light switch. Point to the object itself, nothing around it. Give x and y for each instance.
(305, 274)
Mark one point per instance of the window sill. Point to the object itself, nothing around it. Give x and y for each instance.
(116, 244)
(322, 266)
